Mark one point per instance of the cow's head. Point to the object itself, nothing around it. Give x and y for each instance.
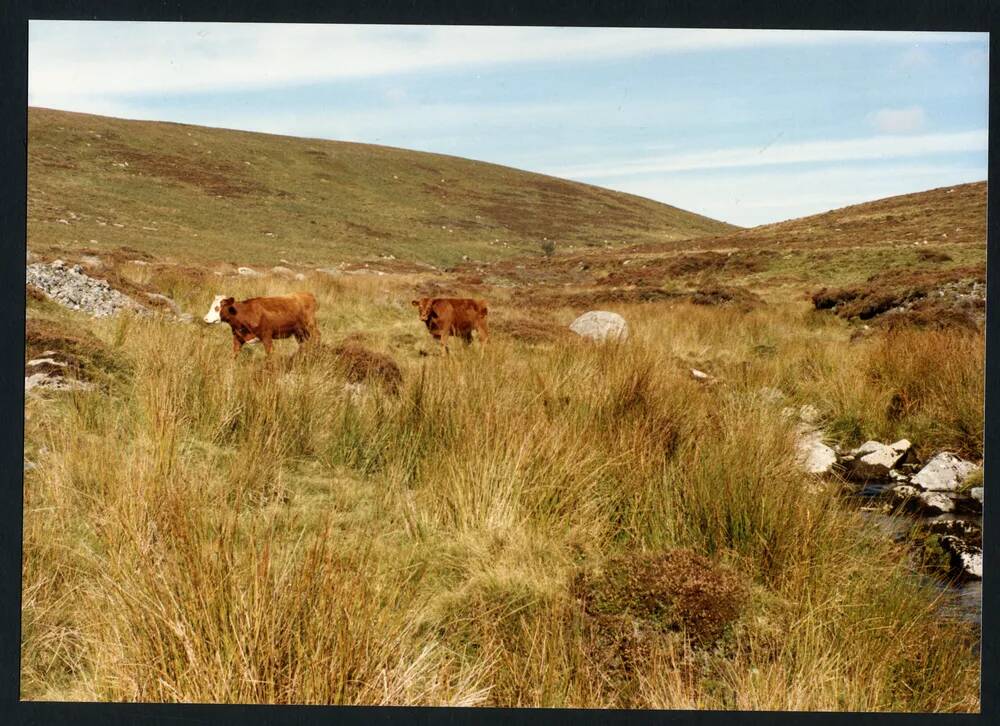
(227, 309)
(212, 316)
(424, 305)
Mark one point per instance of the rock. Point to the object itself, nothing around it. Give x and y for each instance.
(904, 497)
(813, 455)
(935, 503)
(699, 375)
(247, 272)
(770, 395)
(44, 380)
(808, 413)
(92, 261)
(967, 559)
(943, 473)
(72, 288)
(174, 308)
(600, 325)
(977, 494)
(279, 270)
(873, 460)
(330, 271)
(299, 276)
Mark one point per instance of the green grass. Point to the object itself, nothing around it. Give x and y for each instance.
(203, 194)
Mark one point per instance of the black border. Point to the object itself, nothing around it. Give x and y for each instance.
(941, 15)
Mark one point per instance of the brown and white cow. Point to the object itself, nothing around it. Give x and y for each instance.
(267, 319)
(459, 316)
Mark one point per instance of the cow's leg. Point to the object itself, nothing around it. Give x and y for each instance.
(444, 340)
(265, 338)
(484, 333)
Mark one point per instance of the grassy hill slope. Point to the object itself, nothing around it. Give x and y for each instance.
(946, 215)
(216, 194)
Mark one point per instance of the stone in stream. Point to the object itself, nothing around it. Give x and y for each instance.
(935, 503)
(966, 558)
(943, 473)
(875, 460)
(977, 494)
(813, 455)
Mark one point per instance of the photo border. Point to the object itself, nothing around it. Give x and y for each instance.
(914, 15)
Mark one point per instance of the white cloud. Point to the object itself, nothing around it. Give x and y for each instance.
(750, 198)
(67, 58)
(874, 147)
(899, 120)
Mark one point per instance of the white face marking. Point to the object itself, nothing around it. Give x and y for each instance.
(212, 316)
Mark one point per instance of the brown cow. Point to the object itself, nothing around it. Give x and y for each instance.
(269, 318)
(446, 316)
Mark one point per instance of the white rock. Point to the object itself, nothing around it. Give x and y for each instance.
(246, 271)
(600, 325)
(935, 503)
(874, 460)
(809, 413)
(771, 395)
(943, 473)
(699, 375)
(299, 276)
(813, 455)
(977, 494)
(279, 270)
(42, 361)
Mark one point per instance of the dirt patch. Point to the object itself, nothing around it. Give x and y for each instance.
(86, 357)
(666, 591)
(34, 293)
(925, 255)
(738, 297)
(955, 295)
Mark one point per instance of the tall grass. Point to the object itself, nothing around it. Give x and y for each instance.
(218, 530)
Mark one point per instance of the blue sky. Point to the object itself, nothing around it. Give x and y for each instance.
(746, 126)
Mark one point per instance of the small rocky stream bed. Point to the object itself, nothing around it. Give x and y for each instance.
(934, 506)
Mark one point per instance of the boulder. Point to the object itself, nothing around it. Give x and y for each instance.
(600, 325)
(279, 270)
(977, 494)
(813, 455)
(770, 395)
(247, 272)
(874, 460)
(935, 503)
(943, 473)
(700, 375)
(966, 559)
(903, 497)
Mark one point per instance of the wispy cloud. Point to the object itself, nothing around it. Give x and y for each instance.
(899, 120)
(69, 57)
(874, 147)
(751, 197)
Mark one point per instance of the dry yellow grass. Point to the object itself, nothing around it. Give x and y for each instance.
(208, 530)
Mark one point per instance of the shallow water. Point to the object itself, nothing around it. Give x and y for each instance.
(964, 599)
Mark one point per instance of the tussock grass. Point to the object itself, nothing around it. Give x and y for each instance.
(219, 530)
